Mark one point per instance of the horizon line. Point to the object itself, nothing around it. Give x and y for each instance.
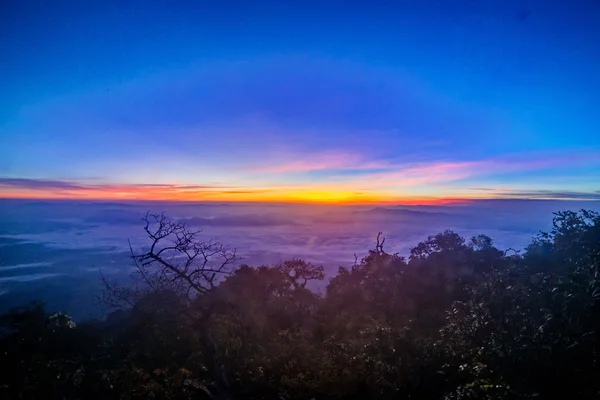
(407, 202)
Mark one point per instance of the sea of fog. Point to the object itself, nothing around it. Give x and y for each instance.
(56, 251)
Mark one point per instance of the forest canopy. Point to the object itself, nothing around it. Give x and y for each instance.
(457, 319)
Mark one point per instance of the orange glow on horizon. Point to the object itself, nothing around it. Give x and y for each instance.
(379, 182)
(260, 195)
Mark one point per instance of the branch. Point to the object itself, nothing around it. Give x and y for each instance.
(379, 245)
(177, 260)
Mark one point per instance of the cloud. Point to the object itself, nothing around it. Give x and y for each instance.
(30, 183)
(440, 172)
(542, 194)
(355, 171)
(330, 177)
(249, 220)
(321, 161)
(39, 184)
(116, 217)
(39, 188)
(12, 187)
(27, 278)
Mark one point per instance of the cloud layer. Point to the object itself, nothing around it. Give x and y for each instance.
(338, 177)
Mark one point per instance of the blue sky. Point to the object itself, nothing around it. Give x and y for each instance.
(344, 100)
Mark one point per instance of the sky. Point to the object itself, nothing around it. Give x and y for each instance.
(333, 102)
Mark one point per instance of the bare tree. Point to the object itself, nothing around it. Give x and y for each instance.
(177, 261)
(178, 266)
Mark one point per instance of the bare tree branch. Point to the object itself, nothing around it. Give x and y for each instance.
(379, 245)
(177, 260)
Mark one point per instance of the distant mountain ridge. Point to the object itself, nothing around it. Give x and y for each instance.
(386, 211)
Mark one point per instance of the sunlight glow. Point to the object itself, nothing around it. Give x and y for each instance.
(284, 195)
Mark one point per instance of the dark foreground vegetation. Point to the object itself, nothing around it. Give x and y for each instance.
(458, 319)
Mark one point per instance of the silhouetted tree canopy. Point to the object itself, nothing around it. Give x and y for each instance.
(458, 319)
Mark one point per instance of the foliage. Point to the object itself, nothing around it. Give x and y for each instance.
(458, 319)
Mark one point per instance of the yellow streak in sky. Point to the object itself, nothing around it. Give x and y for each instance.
(316, 195)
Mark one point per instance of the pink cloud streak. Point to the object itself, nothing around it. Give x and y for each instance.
(345, 176)
(397, 174)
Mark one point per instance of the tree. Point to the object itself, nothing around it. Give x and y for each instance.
(299, 272)
(177, 261)
(527, 331)
(168, 299)
(459, 320)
